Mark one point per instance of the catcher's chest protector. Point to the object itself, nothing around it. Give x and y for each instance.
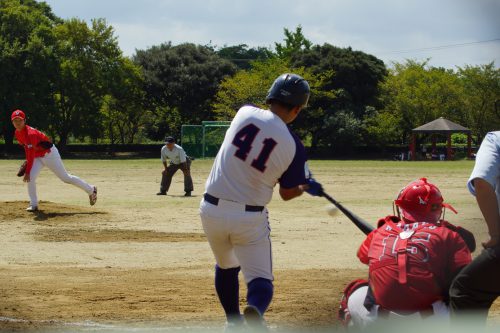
(398, 248)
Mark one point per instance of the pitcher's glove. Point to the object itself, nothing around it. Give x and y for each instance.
(45, 144)
(22, 169)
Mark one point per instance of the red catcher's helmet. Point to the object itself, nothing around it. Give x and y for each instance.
(421, 201)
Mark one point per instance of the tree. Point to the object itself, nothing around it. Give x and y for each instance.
(481, 97)
(357, 75)
(27, 62)
(294, 42)
(122, 109)
(414, 94)
(355, 85)
(250, 87)
(242, 56)
(183, 77)
(88, 58)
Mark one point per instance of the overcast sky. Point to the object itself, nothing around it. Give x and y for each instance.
(450, 32)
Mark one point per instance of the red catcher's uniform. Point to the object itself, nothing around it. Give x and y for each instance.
(29, 138)
(411, 265)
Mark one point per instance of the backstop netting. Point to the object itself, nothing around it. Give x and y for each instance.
(204, 140)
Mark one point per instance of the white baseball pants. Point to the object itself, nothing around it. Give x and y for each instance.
(362, 318)
(238, 238)
(52, 160)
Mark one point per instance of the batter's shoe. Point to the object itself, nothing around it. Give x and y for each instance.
(254, 319)
(161, 193)
(32, 209)
(187, 194)
(235, 327)
(93, 197)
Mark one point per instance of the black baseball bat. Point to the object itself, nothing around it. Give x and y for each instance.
(364, 226)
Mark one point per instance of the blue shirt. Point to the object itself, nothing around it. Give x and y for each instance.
(488, 164)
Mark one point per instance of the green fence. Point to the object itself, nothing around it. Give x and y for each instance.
(203, 140)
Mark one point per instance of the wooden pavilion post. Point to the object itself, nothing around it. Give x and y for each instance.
(448, 148)
(413, 148)
(433, 149)
(469, 146)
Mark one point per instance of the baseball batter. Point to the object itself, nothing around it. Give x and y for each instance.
(412, 259)
(259, 151)
(40, 152)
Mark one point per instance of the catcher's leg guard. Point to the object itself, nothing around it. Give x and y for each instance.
(344, 313)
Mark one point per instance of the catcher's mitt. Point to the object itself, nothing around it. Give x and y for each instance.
(45, 144)
(466, 235)
(468, 238)
(22, 169)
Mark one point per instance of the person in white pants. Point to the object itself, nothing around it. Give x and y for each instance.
(40, 152)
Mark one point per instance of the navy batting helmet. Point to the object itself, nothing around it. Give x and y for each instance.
(290, 89)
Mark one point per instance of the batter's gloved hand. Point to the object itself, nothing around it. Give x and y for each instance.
(314, 188)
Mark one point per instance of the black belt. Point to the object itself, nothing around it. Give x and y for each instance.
(215, 201)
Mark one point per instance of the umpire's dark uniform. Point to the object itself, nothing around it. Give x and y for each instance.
(477, 286)
(177, 160)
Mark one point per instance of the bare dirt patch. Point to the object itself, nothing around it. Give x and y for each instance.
(139, 259)
(160, 295)
(115, 235)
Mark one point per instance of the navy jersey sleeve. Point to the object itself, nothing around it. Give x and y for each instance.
(295, 174)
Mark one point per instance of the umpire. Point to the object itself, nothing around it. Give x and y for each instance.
(478, 285)
(178, 160)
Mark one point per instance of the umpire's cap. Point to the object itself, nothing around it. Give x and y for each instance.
(169, 139)
(290, 89)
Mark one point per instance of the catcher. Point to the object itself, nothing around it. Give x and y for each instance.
(41, 152)
(412, 258)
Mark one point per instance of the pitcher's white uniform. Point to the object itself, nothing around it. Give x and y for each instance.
(258, 151)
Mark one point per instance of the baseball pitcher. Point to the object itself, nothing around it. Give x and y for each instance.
(40, 152)
(259, 151)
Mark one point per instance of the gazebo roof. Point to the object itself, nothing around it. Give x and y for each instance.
(441, 125)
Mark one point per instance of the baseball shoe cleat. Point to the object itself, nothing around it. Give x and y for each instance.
(93, 197)
(161, 193)
(32, 209)
(187, 194)
(255, 321)
(235, 327)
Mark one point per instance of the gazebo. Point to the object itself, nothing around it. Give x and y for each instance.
(440, 126)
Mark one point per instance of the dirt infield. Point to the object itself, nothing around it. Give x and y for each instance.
(142, 260)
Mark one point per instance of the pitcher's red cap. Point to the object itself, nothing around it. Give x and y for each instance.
(17, 114)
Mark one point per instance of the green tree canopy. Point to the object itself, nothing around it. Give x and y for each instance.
(242, 56)
(183, 77)
(251, 87)
(88, 61)
(27, 62)
(357, 75)
(294, 42)
(414, 94)
(481, 90)
(122, 108)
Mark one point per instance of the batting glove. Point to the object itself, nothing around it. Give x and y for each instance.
(314, 188)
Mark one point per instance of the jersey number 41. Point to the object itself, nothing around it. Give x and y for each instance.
(244, 140)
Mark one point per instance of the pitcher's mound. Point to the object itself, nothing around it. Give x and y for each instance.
(47, 211)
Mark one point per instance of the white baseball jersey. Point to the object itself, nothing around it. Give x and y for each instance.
(258, 151)
(176, 156)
